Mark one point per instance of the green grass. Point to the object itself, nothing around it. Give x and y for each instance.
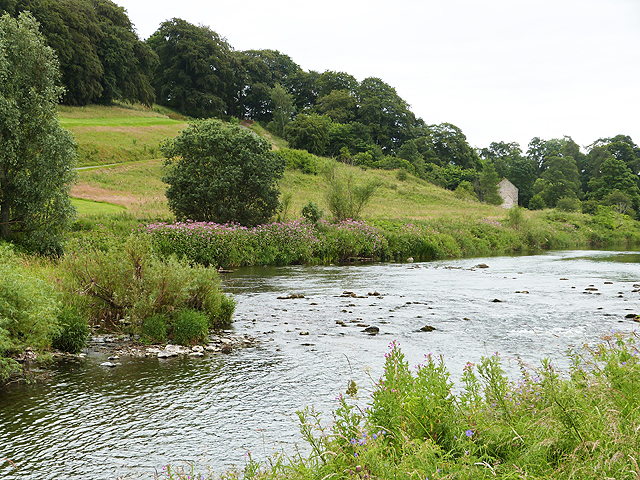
(119, 134)
(89, 207)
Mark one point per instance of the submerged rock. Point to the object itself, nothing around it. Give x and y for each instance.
(372, 330)
(427, 328)
(481, 265)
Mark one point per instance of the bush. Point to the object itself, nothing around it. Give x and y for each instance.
(219, 173)
(74, 331)
(312, 212)
(128, 283)
(29, 309)
(154, 329)
(515, 217)
(537, 202)
(402, 175)
(346, 198)
(190, 327)
(569, 204)
(300, 160)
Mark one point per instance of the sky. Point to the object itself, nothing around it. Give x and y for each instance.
(500, 70)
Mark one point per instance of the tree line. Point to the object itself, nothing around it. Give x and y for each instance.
(194, 70)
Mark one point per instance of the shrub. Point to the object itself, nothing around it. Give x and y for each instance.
(537, 202)
(402, 175)
(515, 217)
(312, 212)
(74, 331)
(154, 329)
(300, 160)
(465, 191)
(346, 198)
(569, 204)
(29, 309)
(128, 283)
(190, 327)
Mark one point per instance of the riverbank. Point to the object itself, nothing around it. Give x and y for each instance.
(302, 242)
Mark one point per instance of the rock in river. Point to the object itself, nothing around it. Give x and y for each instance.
(427, 328)
(371, 330)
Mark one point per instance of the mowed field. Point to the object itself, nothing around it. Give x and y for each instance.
(129, 137)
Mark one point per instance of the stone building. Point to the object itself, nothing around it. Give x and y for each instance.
(509, 193)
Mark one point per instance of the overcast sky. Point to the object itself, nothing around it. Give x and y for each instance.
(501, 70)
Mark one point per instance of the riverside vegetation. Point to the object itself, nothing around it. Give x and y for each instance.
(575, 424)
(135, 270)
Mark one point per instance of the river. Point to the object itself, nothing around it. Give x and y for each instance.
(88, 421)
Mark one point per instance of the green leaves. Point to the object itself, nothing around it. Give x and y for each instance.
(37, 156)
(222, 173)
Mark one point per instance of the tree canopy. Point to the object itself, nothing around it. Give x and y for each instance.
(101, 57)
(37, 156)
(195, 70)
(222, 173)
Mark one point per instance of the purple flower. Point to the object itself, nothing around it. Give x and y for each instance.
(469, 433)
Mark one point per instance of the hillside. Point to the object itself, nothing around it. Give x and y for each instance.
(129, 137)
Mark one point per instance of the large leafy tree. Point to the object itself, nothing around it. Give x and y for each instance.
(195, 74)
(37, 156)
(560, 180)
(222, 173)
(445, 144)
(309, 132)
(101, 57)
(256, 73)
(388, 115)
(614, 174)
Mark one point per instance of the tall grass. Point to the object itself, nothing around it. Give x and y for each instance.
(583, 423)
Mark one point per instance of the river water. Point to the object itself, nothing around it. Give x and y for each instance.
(89, 422)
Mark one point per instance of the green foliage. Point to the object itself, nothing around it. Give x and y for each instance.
(312, 212)
(569, 204)
(402, 175)
(345, 197)
(29, 309)
(488, 185)
(101, 57)
(74, 331)
(300, 160)
(537, 202)
(515, 217)
(282, 108)
(465, 191)
(154, 329)
(444, 145)
(547, 424)
(309, 132)
(37, 156)
(221, 173)
(190, 327)
(615, 176)
(194, 74)
(560, 179)
(125, 283)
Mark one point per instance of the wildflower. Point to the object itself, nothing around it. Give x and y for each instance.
(469, 433)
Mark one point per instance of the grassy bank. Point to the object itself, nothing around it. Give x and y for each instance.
(108, 135)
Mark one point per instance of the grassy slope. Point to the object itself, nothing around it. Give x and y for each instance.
(127, 135)
(107, 135)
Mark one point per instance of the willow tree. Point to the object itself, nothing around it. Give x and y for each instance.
(37, 156)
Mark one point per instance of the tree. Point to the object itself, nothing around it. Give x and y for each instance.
(282, 102)
(488, 185)
(222, 173)
(445, 144)
(101, 57)
(37, 156)
(561, 179)
(615, 175)
(195, 74)
(309, 132)
(388, 115)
